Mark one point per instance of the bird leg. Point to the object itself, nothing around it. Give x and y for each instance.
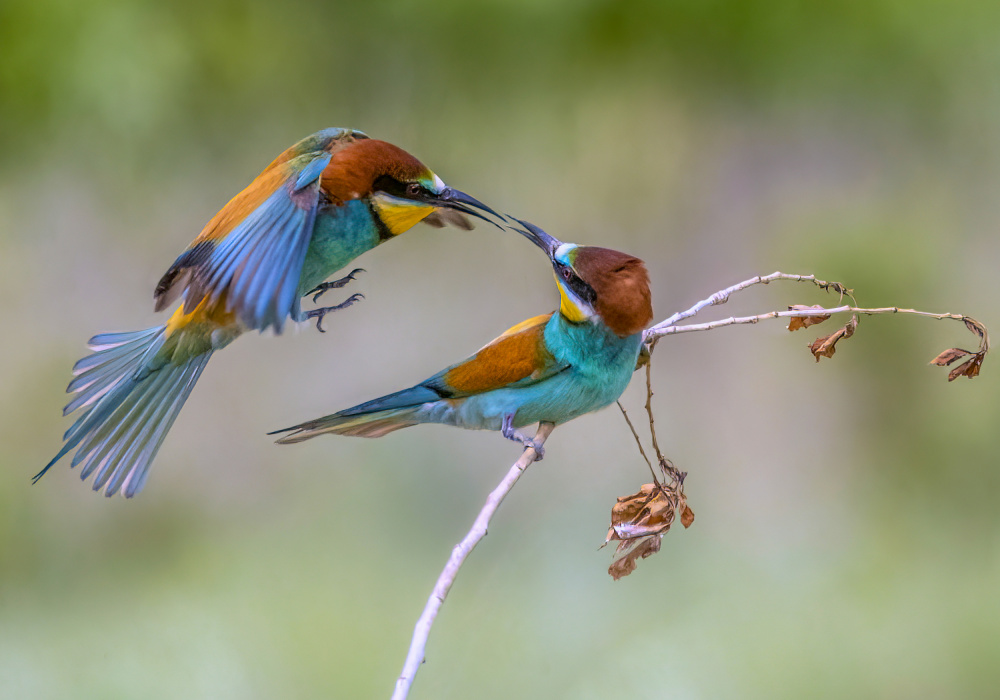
(318, 314)
(508, 431)
(319, 289)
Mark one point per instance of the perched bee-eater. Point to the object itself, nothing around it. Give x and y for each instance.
(549, 368)
(318, 206)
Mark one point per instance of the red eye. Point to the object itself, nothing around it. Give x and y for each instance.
(413, 189)
(567, 274)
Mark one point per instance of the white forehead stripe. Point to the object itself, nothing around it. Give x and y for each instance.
(439, 185)
(562, 252)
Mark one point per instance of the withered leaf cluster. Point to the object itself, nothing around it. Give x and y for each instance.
(969, 368)
(824, 346)
(640, 521)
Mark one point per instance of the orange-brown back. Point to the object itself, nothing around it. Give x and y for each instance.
(515, 355)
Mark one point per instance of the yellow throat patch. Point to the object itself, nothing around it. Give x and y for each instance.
(401, 215)
(567, 307)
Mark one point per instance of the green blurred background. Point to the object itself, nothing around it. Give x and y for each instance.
(847, 541)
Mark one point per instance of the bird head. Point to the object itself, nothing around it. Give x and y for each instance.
(403, 191)
(597, 283)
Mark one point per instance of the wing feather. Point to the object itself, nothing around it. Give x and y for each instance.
(253, 250)
(518, 357)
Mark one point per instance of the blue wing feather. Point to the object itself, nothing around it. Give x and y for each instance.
(257, 265)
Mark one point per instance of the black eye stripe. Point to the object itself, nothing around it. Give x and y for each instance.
(390, 185)
(407, 190)
(576, 283)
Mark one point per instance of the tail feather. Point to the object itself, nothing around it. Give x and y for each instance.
(99, 345)
(371, 419)
(110, 341)
(94, 383)
(107, 443)
(370, 425)
(129, 400)
(162, 415)
(407, 398)
(147, 448)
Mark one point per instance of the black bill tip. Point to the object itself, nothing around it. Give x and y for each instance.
(537, 236)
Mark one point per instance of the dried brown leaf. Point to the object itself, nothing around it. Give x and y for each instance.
(851, 326)
(826, 346)
(640, 520)
(797, 322)
(949, 356)
(626, 564)
(687, 516)
(975, 326)
(969, 368)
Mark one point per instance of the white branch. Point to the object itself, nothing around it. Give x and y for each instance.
(721, 297)
(415, 656)
(660, 330)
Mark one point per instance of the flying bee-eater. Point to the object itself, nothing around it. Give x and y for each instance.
(314, 209)
(550, 368)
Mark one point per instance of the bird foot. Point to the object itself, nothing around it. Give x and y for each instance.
(318, 314)
(323, 287)
(508, 431)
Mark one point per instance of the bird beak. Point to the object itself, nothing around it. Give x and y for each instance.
(539, 237)
(459, 201)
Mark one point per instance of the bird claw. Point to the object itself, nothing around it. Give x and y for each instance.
(324, 287)
(508, 431)
(318, 314)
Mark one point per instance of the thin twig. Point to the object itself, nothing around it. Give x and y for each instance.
(638, 441)
(660, 330)
(415, 656)
(649, 410)
(722, 296)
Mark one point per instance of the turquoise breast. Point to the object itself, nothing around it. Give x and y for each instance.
(341, 234)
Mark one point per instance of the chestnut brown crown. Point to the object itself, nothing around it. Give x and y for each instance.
(621, 286)
(354, 170)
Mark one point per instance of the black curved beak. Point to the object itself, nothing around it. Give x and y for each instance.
(537, 236)
(459, 201)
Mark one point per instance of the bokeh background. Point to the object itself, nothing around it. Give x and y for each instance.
(847, 541)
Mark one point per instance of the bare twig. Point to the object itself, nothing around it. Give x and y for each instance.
(637, 440)
(660, 330)
(664, 463)
(670, 327)
(649, 411)
(415, 656)
(722, 296)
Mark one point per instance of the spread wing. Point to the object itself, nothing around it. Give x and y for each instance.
(252, 251)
